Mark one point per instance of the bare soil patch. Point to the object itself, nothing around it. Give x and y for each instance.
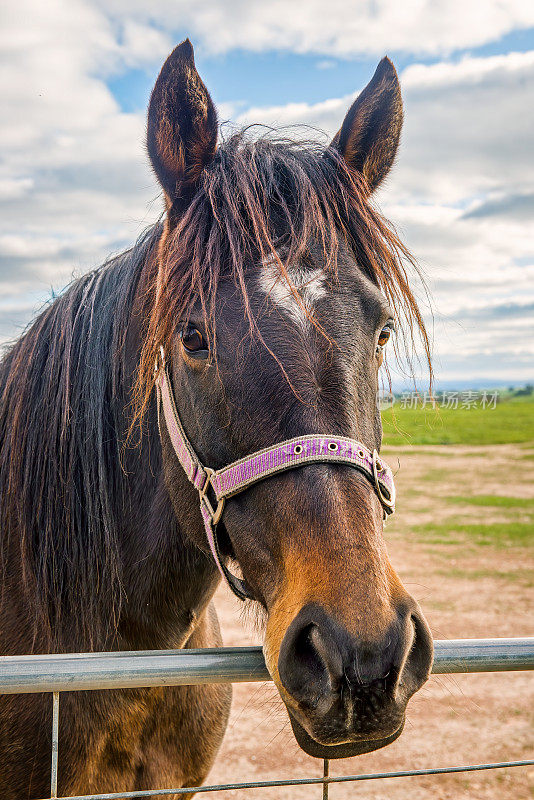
(466, 591)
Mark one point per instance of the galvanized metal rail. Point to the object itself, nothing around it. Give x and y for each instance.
(87, 671)
(126, 670)
(325, 781)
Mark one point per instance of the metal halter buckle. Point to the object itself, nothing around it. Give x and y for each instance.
(202, 493)
(387, 502)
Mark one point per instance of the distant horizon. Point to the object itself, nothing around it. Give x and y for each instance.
(463, 385)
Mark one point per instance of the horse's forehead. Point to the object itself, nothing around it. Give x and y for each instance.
(298, 294)
(309, 284)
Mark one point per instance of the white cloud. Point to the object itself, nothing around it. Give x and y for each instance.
(13, 188)
(75, 183)
(467, 70)
(336, 28)
(144, 44)
(325, 64)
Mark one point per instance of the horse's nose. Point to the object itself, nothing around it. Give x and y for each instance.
(320, 662)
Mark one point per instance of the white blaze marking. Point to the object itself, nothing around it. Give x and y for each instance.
(309, 284)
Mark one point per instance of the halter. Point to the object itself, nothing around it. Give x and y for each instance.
(240, 475)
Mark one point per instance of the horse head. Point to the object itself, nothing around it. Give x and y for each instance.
(277, 288)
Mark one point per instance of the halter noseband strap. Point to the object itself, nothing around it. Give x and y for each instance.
(240, 475)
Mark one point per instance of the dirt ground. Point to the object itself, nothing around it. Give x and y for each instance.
(467, 590)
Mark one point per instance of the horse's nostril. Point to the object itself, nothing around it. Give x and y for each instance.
(309, 664)
(419, 661)
(307, 648)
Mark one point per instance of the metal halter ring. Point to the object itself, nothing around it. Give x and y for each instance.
(202, 493)
(388, 502)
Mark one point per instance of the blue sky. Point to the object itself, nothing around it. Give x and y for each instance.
(75, 185)
(275, 77)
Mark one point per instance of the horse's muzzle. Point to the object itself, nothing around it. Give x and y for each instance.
(348, 697)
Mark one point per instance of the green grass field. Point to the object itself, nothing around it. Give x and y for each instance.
(511, 421)
(497, 534)
(492, 501)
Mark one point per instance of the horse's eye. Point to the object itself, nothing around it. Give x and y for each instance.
(194, 342)
(383, 339)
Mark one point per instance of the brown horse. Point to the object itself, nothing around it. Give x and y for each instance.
(272, 286)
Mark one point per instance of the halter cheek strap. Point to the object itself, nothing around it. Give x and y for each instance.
(240, 475)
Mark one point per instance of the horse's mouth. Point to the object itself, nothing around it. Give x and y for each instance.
(346, 750)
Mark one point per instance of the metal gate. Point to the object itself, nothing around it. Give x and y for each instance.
(126, 670)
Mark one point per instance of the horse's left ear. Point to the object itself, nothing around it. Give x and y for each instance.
(181, 126)
(370, 133)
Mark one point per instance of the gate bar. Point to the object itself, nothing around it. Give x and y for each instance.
(55, 738)
(372, 776)
(82, 671)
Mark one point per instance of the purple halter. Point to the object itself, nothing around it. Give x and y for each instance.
(240, 475)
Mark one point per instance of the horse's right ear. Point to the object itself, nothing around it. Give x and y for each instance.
(369, 136)
(181, 127)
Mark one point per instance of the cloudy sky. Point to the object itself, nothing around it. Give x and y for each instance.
(75, 185)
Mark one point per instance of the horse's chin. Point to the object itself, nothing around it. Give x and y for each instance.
(346, 750)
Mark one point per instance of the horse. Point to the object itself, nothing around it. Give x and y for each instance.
(243, 331)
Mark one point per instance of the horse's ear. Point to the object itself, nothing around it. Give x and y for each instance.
(181, 126)
(370, 133)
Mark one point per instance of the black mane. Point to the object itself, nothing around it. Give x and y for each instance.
(62, 418)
